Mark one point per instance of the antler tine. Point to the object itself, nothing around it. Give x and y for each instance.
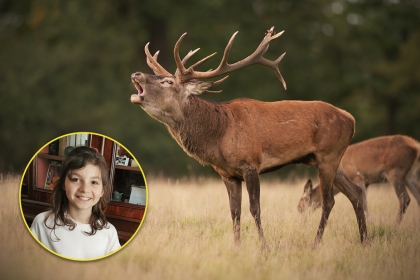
(185, 59)
(216, 83)
(198, 63)
(212, 91)
(181, 70)
(155, 70)
(153, 64)
(224, 67)
(223, 62)
(189, 54)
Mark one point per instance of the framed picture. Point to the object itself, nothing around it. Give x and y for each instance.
(138, 195)
(122, 161)
(53, 174)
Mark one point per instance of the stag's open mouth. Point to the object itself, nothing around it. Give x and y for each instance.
(139, 97)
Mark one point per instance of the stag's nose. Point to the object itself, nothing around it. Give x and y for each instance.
(136, 75)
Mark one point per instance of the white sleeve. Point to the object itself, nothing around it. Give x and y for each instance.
(114, 243)
(37, 225)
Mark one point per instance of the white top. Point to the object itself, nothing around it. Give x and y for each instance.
(75, 243)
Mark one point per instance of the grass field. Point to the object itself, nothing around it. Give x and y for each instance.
(187, 234)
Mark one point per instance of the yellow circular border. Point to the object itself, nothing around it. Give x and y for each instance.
(91, 259)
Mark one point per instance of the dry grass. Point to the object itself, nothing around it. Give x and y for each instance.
(187, 234)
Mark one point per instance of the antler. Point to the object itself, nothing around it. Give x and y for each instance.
(153, 64)
(224, 67)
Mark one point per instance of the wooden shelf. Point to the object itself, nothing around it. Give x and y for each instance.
(129, 168)
(47, 156)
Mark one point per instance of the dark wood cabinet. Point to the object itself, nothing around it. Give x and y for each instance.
(36, 197)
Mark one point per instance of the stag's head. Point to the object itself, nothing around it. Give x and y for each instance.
(311, 198)
(161, 95)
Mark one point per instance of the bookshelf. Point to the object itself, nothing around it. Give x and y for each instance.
(36, 193)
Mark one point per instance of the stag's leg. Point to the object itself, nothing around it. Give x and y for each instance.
(396, 179)
(252, 182)
(361, 183)
(234, 189)
(326, 177)
(414, 188)
(355, 195)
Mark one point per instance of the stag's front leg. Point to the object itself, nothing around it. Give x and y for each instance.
(252, 182)
(234, 189)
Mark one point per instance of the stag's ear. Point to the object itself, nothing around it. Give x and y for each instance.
(196, 87)
(308, 187)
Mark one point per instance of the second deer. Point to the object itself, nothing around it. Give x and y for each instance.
(395, 159)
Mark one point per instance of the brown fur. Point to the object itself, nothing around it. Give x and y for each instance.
(395, 159)
(243, 138)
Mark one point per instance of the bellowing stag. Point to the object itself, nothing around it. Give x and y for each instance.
(395, 159)
(243, 138)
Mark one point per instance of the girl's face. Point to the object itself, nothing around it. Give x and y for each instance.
(83, 189)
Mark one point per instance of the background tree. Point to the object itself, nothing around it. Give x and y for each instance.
(66, 65)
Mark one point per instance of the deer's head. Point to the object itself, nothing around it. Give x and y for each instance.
(162, 95)
(310, 199)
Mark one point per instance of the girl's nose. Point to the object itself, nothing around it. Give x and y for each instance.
(83, 187)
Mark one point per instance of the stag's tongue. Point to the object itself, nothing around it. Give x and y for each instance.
(140, 93)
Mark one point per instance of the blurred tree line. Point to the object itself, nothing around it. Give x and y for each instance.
(66, 65)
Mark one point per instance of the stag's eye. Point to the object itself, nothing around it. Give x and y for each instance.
(169, 82)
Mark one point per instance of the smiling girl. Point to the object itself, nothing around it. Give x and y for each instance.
(76, 227)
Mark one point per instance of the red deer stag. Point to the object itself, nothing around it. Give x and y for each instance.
(392, 158)
(243, 138)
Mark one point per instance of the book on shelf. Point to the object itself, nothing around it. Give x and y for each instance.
(62, 144)
(53, 148)
(73, 140)
(53, 174)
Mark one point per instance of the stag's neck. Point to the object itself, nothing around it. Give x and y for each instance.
(201, 128)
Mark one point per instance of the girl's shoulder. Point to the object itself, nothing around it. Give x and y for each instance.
(39, 221)
(42, 216)
(109, 227)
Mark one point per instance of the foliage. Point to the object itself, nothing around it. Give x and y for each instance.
(66, 66)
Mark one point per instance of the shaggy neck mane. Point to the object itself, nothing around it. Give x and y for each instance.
(203, 122)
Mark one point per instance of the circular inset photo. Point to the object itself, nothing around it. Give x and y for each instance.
(83, 196)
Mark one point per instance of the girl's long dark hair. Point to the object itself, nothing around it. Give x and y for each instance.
(77, 159)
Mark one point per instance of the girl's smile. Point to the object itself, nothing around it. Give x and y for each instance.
(83, 189)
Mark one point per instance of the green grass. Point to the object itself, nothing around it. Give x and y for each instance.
(187, 234)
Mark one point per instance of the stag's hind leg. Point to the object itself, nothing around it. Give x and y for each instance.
(355, 194)
(234, 189)
(326, 176)
(252, 182)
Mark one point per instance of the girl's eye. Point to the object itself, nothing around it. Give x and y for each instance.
(74, 179)
(95, 182)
